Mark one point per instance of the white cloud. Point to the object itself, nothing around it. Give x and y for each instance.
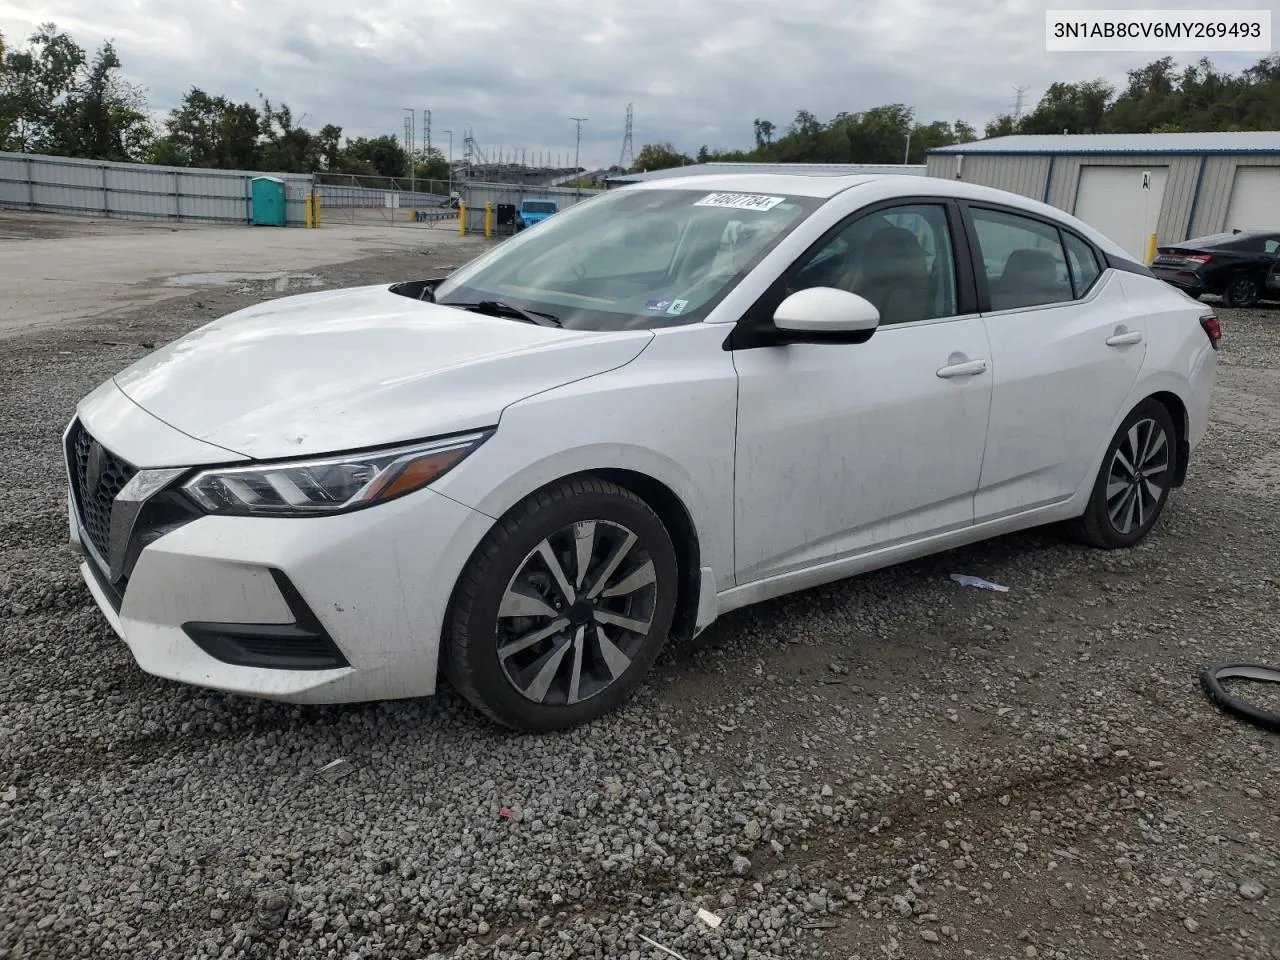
(514, 71)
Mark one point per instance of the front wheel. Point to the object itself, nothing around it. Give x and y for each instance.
(561, 611)
(1134, 483)
(1241, 291)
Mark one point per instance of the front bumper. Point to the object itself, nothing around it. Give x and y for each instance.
(317, 610)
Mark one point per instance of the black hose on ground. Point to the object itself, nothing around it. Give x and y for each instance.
(1211, 680)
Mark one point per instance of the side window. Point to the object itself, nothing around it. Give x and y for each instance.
(899, 258)
(1272, 245)
(1024, 260)
(1084, 265)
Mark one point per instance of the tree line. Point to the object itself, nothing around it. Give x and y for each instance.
(55, 98)
(1157, 98)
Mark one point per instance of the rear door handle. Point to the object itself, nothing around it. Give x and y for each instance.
(1124, 339)
(970, 368)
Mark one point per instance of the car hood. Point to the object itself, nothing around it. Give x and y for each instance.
(353, 368)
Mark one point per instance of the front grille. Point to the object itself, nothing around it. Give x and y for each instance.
(97, 477)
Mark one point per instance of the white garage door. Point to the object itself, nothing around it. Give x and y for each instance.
(1255, 199)
(1122, 202)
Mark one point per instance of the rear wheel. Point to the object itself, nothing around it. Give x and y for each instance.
(561, 611)
(1134, 483)
(1241, 291)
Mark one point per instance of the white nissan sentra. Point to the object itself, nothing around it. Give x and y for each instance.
(666, 402)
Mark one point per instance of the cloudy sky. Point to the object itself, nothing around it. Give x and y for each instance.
(515, 71)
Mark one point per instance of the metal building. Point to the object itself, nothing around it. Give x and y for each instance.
(1129, 186)
(805, 169)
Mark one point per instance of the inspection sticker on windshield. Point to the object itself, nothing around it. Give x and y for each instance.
(739, 201)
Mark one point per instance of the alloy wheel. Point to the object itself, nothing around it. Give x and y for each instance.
(1243, 292)
(576, 612)
(1138, 476)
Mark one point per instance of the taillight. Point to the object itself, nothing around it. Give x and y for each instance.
(1212, 328)
(1198, 257)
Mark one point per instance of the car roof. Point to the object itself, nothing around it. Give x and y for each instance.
(1213, 239)
(825, 187)
(790, 184)
(906, 185)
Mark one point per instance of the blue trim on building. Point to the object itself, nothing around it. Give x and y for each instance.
(1195, 202)
(1048, 179)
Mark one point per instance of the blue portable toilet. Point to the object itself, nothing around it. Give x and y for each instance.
(267, 202)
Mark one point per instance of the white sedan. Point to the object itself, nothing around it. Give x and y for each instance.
(667, 402)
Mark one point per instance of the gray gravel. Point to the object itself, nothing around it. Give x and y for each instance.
(894, 766)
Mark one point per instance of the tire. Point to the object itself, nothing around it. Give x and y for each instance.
(1211, 682)
(508, 595)
(1109, 522)
(1241, 291)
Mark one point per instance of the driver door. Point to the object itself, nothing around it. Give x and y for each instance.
(847, 448)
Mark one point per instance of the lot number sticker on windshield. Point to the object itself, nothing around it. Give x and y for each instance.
(739, 201)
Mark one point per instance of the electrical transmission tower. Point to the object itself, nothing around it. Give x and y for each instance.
(577, 150)
(627, 158)
(426, 133)
(1017, 103)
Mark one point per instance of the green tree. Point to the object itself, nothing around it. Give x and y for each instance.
(431, 166)
(101, 116)
(205, 131)
(659, 156)
(1073, 107)
(285, 148)
(382, 156)
(34, 85)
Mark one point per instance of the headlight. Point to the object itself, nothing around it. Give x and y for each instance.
(304, 488)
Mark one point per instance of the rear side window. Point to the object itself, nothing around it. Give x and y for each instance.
(1024, 260)
(1082, 263)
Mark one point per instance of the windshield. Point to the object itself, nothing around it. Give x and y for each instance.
(631, 258)
(539, 206)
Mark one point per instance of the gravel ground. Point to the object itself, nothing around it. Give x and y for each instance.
(893, 766)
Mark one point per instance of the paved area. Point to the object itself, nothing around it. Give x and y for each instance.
(889, 768)
(57, 269)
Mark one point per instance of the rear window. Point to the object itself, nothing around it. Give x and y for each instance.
(1233, 240)
(539, 206)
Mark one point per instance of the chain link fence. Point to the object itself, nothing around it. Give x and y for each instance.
(386, 201)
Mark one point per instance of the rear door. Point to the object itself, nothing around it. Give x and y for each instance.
(1066, 349)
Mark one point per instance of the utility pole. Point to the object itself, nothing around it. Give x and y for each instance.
(426, 131)
(577, 150)
(906, 154)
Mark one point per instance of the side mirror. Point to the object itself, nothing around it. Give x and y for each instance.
(827, 310)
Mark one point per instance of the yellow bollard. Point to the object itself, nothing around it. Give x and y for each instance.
(462, 219)
(488, 219)
(315, 210)
(1151, 248)
(310, 221)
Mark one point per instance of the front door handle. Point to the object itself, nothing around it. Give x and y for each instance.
(1124, 339)
(970, 368)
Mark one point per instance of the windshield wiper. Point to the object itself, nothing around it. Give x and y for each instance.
(497, 308)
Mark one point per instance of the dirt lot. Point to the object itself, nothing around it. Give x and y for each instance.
(893, 766)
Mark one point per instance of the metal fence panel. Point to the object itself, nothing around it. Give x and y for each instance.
(348, 198)
(478, 194)
(140, 191)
